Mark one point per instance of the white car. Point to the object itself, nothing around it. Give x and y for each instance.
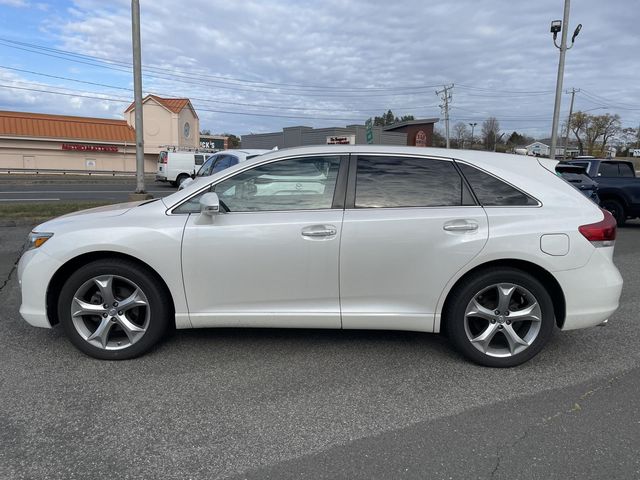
(493, 249)
(221, 160)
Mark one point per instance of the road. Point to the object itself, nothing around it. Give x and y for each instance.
(105, 189)
(315, 404)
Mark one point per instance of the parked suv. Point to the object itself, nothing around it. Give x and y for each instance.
(221, 160)
(495, 250)
(176, 167)
(618, 186)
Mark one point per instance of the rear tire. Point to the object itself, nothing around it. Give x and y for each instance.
(113, 309)
(616, 209)
(500, 317)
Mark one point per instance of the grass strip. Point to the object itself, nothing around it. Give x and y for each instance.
(29, 212)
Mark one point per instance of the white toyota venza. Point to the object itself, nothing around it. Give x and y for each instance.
(494, 250)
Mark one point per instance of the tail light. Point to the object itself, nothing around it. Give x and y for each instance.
(602, 233)
(163, 157)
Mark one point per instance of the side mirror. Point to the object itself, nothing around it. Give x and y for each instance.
(210, 204)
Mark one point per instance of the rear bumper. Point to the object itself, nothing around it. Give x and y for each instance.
(592, 292)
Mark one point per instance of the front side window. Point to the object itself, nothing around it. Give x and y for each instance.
(296, 184)
(383, 182)
(493, 192)
(225, 162)
(205, 169)
(608, 169)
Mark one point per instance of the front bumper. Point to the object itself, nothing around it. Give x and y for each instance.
(592, 292)
(35, 270)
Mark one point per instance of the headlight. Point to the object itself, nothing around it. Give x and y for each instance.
(37, 239)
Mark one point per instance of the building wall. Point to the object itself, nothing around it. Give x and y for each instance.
(304, 136)
(186, 115)
(33, 153)
(412, 130)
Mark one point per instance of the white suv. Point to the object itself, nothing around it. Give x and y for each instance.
(495, 250)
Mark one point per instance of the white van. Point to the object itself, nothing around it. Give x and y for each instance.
(176, 167)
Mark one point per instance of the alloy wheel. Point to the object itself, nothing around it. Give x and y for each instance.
(502, 320)
(110, 312)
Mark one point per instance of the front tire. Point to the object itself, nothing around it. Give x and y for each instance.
(113, 309)
(500, 317)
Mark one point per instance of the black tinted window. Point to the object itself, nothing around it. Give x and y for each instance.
(225, 162)
(626, 170)
(608, 169)
(493, 192)
(407, 182)
(199, 159)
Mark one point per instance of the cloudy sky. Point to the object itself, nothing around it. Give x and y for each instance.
(260, 65)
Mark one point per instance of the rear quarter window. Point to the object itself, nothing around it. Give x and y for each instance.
(493, 192)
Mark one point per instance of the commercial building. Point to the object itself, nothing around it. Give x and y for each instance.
(414, 132)
(62, 142)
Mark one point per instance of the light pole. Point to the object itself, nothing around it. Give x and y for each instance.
(140, 193)
(473, 126)
(557, 27)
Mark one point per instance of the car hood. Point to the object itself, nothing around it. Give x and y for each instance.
(89, 214)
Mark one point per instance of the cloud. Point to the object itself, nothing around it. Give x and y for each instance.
(490, 50)
(14, 3)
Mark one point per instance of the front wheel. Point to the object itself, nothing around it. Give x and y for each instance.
(113, 309)
(500, 317)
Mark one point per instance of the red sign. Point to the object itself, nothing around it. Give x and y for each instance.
(90, 148)
(421, 139)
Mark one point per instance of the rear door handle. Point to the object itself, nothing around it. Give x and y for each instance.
(460, 226)
(315, 231)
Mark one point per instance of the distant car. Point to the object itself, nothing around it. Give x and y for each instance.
(618, 186)
(577, 177)
(220, 161)
(176, 167)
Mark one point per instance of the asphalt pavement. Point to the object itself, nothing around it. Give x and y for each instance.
(59, 189)
(313, 404)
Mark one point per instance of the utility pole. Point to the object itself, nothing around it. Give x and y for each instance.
(566, 137)
(140, 193)
(473, 126)
(446, 98)
(558, 26)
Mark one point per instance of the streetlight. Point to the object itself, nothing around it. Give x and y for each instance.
(473, 126)
(556, 27)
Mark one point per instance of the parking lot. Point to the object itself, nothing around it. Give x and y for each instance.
(319, 404)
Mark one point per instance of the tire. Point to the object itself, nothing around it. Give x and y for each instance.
(510, 338)
(616, 209)
(181, 178)
(113, 309)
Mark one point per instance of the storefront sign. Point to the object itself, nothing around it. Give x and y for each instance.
(342, 140)
(90, 148)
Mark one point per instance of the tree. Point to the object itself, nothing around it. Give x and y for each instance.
(461, 133)
(205, 132)
(438, 138)
(490, 133)
(594, 131)
(389, 119)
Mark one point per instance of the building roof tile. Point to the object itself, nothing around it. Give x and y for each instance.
(23, 124)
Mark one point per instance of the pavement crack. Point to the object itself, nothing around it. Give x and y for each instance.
(13, 269)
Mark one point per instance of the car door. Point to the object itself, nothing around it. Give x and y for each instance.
(410, 224)
(271, 259)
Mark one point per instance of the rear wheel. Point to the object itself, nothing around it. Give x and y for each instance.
(500, 318)
(113, 309)
(616, 209)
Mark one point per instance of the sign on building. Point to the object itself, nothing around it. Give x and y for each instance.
(341, 140)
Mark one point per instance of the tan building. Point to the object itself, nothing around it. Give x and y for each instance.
(61, 142)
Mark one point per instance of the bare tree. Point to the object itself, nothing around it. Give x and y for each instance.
(490, 132)
(610, 125)
(461, 132)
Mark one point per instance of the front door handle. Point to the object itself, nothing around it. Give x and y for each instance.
(460, 226)
(316, 231)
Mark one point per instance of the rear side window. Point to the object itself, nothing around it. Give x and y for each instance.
(608, 169)
(493, 192)
(626, 170)
(408, 182)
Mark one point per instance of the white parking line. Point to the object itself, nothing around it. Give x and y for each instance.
(29, 199)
